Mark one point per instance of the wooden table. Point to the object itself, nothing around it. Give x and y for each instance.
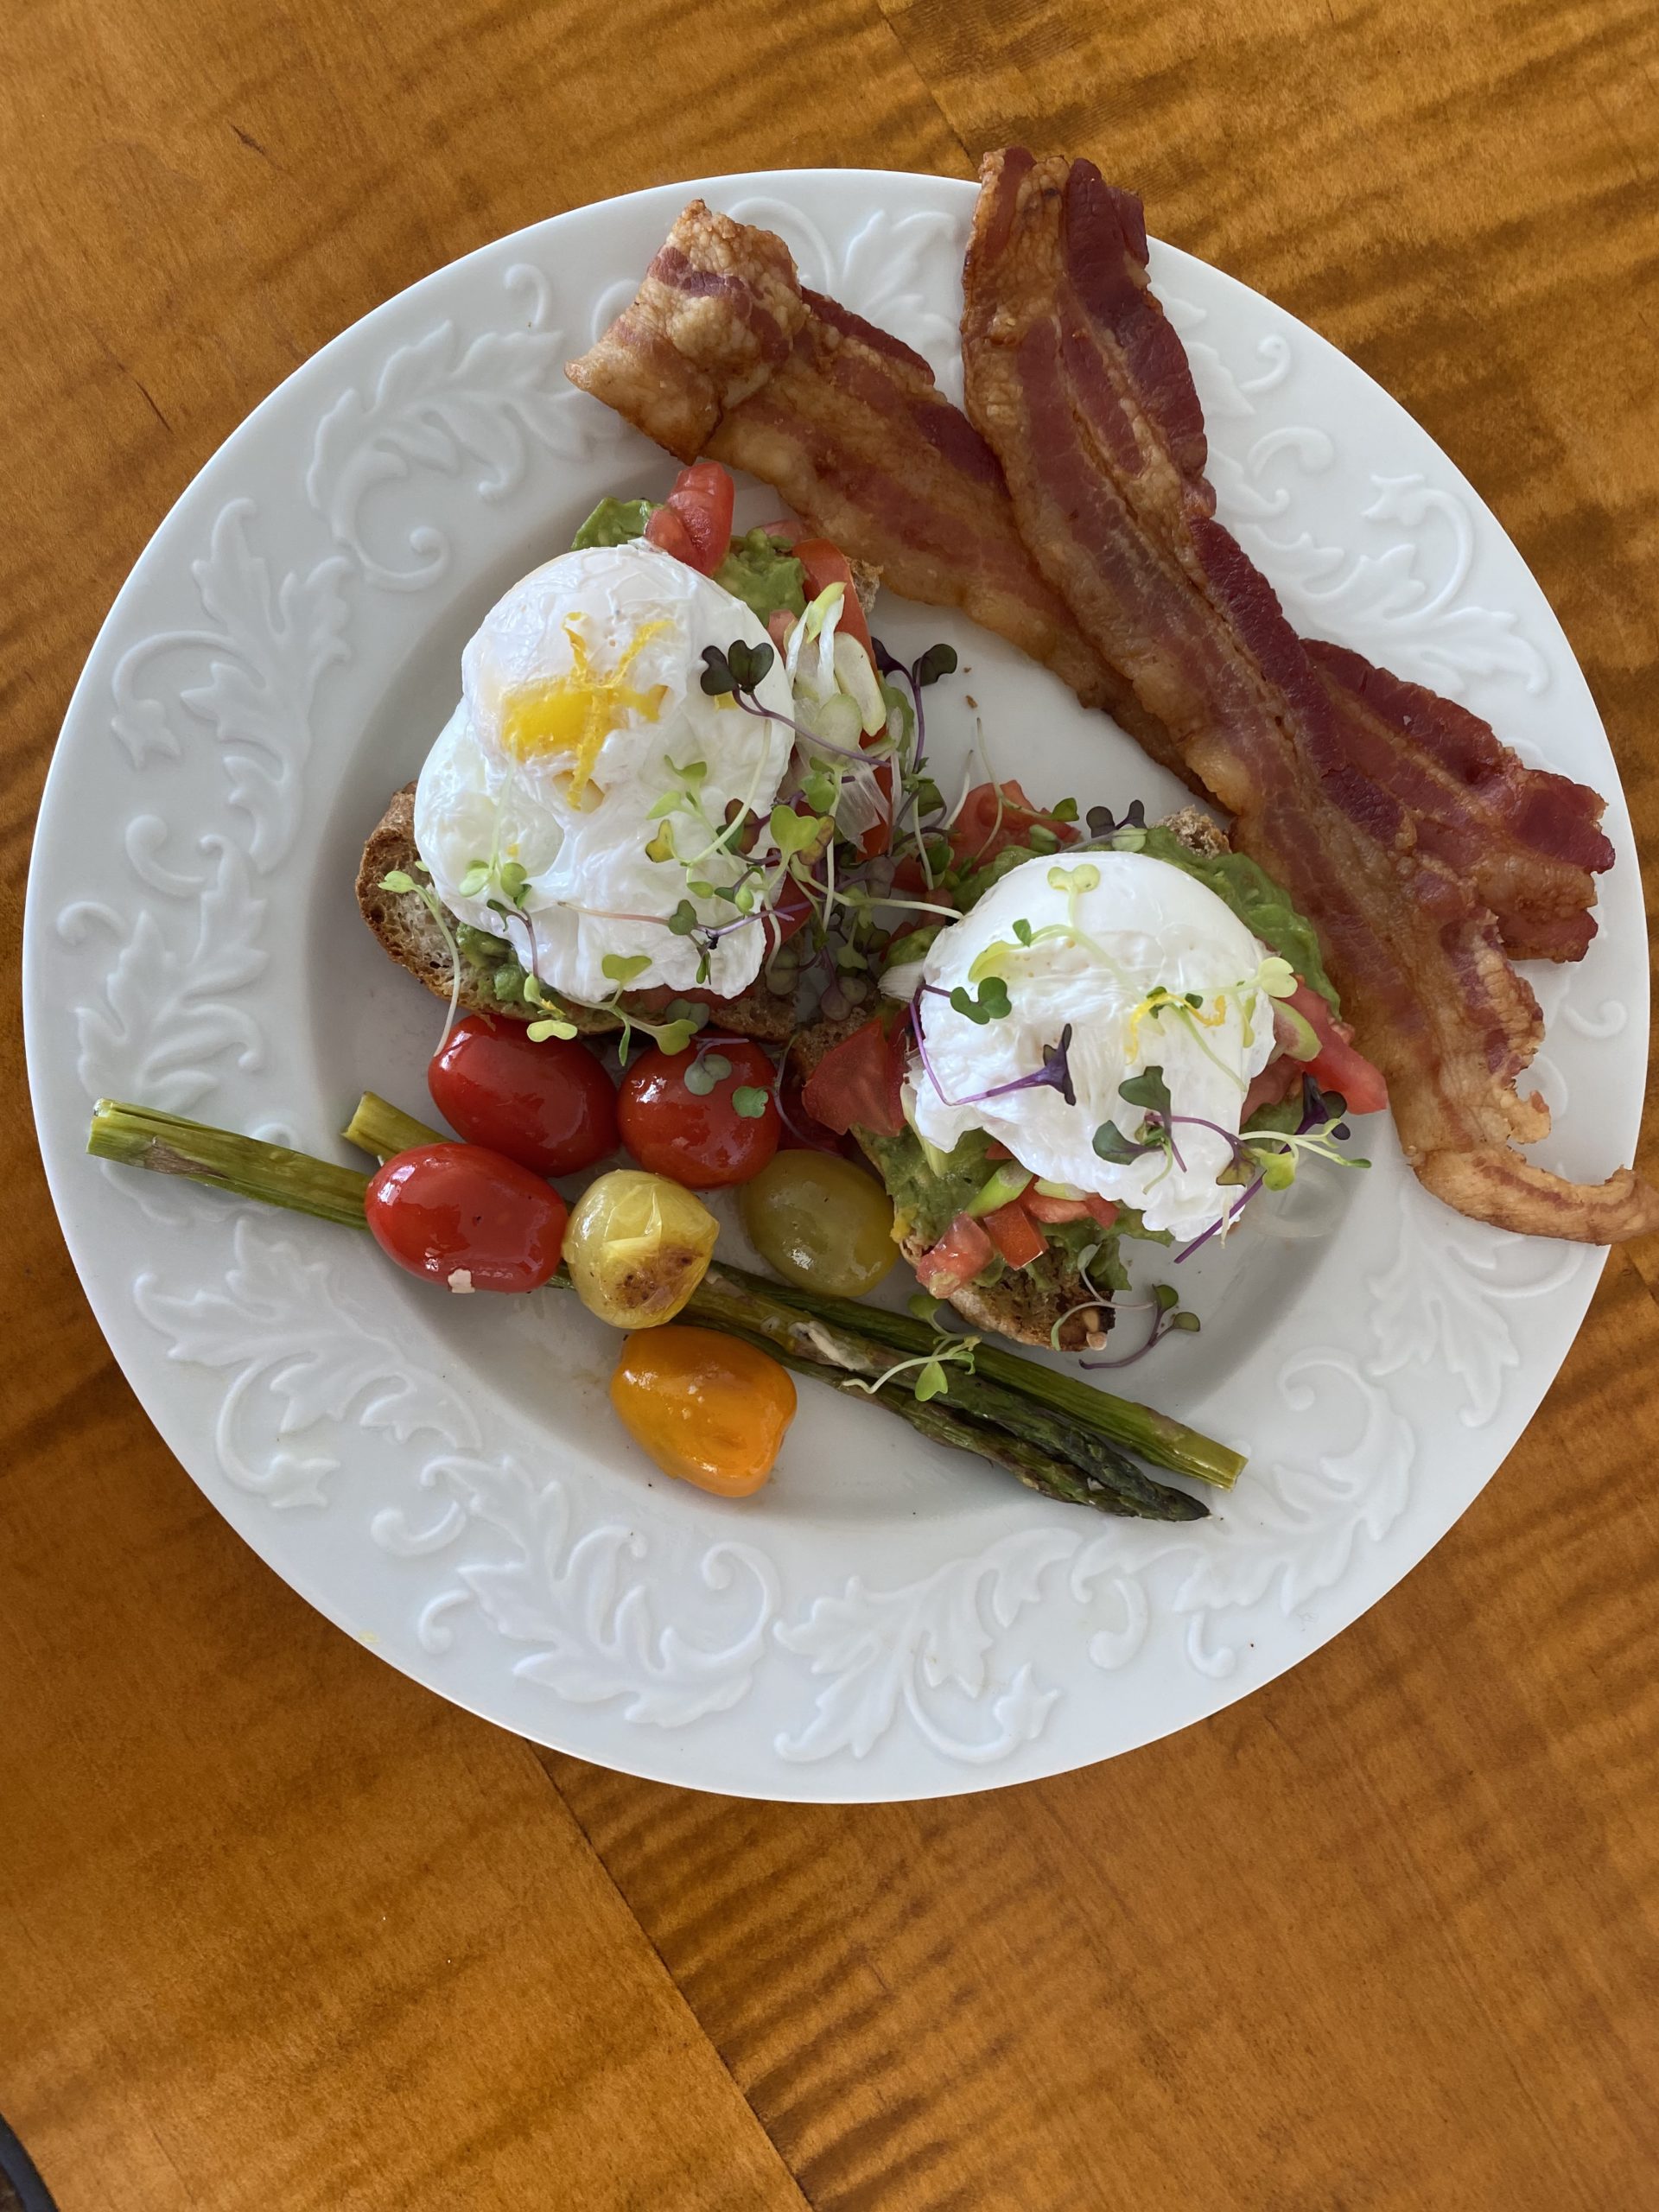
(283, 1931)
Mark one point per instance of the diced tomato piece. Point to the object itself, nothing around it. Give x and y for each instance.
(962, 1253)
(1018, 1239)
(996, 816)
(858, 1084)
(1338, 1066)
(996, 1151)
(695, 523)
(1053, 1211)
(803, 1132)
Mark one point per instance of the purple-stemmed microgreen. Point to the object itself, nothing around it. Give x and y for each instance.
(1168, 1317)
(1272, 1154)
(1054, 1074)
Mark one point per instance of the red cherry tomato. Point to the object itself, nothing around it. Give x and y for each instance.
(695, 523)
(471, 1219)
(699, 1138)
(551, 1107)
(993, 816)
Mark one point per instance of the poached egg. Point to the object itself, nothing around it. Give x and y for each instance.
(1114, 938)
(581, 713)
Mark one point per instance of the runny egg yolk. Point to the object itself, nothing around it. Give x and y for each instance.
(576, 713)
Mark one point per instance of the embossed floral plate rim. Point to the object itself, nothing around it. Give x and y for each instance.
(189, 868)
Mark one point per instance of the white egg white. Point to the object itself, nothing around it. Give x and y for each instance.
(625, 625)
(1145, 924)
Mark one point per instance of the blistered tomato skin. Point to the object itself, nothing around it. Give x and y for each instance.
(465, 1218)
(822, 1223)
(699, 1138)
(551, 1106)
(637, 1247)
(707, 1408)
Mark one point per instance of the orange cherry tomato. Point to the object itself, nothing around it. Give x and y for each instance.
(708, 1410)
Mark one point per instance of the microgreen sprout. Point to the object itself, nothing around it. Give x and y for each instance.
(398, 880)
(931, 1380)
(991, 1002)
(1168, 1317)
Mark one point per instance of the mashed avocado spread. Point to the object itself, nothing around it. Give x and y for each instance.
(764, 574)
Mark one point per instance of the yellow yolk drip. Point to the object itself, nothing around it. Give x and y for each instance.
(576, 712)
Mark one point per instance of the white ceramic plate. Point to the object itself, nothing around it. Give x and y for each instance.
(443, 1477)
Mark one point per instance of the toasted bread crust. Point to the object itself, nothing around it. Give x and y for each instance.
(410, 935)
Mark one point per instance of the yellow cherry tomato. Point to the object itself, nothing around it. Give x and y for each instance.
(709, 1409)
(637, 1247)
(823, 1223)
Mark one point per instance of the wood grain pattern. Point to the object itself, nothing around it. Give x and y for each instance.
(284, 1931)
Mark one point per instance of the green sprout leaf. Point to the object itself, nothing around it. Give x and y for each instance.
(514, 880)
(750, 1102)
(475, 879)
(661, 846)
(682, 921)
(921, 1308)
(622, 968)
(1148, 1091)
(397, 881)
(1065, 810)
(1111, 1144)
(932, 1381)
(821, 790)
(539, 1031)
(938, 660)
(1023, 931)
(700, 1078)
(674, 1036)
(799, 835)
(990, 1004)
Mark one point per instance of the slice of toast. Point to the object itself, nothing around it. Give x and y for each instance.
(409, 932)
(1023, 1304)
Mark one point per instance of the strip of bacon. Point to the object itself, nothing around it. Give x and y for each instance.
(723, 353)
(1082, 388)
(1528, 843)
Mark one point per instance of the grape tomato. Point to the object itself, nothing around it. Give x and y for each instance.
(549, 1106)
(466, 1217)
(821, 1222)
(704, 1137)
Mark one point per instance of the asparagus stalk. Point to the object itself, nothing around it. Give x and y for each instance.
(1004, 1416)
(139, 1136)
(727, 1298)
(1049, 1476)
(1159, 1439)
(382, 1129)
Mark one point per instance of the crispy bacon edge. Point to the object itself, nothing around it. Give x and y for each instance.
(1082, 388)
(1528, 843)
(723, 353)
